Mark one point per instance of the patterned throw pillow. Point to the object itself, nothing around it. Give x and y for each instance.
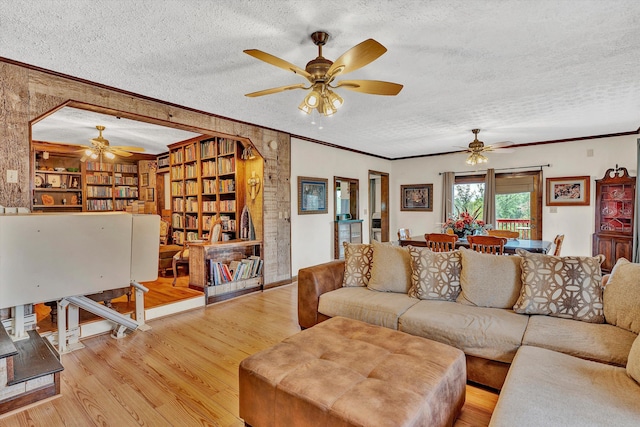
(622, 296)
(434, 275)
(357, 264)
(568, 287)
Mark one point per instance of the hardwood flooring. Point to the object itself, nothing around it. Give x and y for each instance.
(184, 371)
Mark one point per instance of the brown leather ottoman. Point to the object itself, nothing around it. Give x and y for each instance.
(344, 372)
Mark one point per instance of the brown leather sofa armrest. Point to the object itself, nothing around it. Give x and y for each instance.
(313, 282)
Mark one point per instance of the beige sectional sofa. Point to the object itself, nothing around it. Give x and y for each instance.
(544, 323)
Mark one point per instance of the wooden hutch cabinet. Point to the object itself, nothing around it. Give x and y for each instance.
(615, 200)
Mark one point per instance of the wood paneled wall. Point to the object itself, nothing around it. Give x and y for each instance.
(26, 94)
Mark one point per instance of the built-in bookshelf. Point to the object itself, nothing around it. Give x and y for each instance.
(203, 176)
(62, 183)
(227, 269)
(110, 186)
(57, 183)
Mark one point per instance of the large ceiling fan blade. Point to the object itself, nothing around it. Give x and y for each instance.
(501, 144)
(274, 60)
(121, 153)
(374, 87)
(357, 57)
(128, 148)
(275, 90)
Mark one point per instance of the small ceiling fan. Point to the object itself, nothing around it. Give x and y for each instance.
(100, 146)
(477, 148)
(321, 73)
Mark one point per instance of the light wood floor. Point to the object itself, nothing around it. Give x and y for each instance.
(184, 371)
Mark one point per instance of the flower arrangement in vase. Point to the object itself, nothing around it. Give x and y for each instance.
(464, 224)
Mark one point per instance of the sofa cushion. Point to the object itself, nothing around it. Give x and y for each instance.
(545, 387)
(633, 364)
(377, 308)
(593, 341)
(391, 269)
(490, 333)
(434, 275)
(622, 296)
(489, 280)
(568, 287)
(357, 266)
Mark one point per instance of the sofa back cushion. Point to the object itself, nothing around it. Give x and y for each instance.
(391, 268)
(633, 362)
(489, 280)
(434, 275)
(568, 287)
(357, 264)
(622, 296)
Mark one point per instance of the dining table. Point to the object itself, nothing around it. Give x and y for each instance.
(536, 246)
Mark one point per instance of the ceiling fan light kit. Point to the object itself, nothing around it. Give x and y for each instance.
(320, 72)
(477, 148)
(100, 147)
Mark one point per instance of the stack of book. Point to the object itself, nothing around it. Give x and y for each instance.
(220, 273)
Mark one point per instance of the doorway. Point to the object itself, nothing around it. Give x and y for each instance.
(378, 206)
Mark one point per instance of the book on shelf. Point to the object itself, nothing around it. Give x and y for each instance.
(247, 268)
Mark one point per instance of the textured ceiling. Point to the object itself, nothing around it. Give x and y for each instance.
(522, 71)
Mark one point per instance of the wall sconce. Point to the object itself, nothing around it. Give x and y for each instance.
(45, 155)
(254, 185)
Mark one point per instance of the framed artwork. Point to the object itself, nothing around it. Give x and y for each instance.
(144, 179)
(149, 196)
(568, 191)
(416, 197)
(312, 195)
(54, 180)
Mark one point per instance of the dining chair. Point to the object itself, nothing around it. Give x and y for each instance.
(557, 242)
(504, 233)
(404, 234)
(439, 242)
(182, 257)
(487, 244)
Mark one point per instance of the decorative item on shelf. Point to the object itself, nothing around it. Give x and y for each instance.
(247, 231)
(254, 185)
(47, 200)
(321, 72)
(465, 224)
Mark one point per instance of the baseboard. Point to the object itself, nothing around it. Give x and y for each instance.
(280, 283)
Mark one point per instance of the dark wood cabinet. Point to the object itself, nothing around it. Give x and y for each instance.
(346, 231)
(615, 201)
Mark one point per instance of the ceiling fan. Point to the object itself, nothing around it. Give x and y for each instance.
(321, 73)
(477, 148)
(100, 146)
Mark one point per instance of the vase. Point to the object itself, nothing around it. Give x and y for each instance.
(461, 234)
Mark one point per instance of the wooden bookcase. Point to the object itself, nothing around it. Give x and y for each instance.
(615, 201)
(57, 183)
(62, 183)
(204, 175)
(201, 254)
(110, 186)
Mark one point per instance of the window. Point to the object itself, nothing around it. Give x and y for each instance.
(518, 201)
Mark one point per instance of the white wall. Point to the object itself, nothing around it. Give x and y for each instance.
(566, 159)
(312, 235)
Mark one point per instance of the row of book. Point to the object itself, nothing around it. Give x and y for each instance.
(227, 185)
(177, 172)
(209, 168)
(220, 273)
(100, 178)
(207, 148)
(126, 180)
(226, 165)
(100, 205)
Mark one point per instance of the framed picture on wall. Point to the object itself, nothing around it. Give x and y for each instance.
(568, 191)
(416, 197)
(312, 195)
(144, 180)
(149, 195)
